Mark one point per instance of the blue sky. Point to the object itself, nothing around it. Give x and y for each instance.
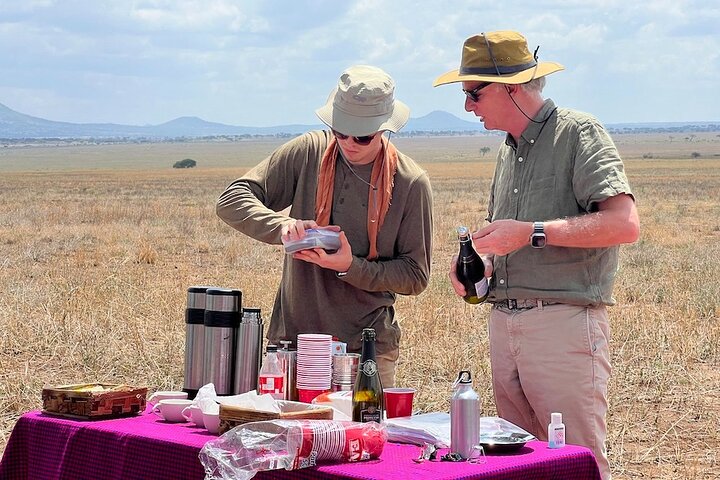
(264, 63)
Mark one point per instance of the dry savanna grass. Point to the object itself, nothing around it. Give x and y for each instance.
(98, 245)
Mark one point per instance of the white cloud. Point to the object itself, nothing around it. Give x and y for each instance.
(254, 62)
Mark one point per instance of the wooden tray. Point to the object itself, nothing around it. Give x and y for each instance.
(231, 416)
(94, 400)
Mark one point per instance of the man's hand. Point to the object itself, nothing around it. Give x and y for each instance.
(295, 229)
(459, 287)
(339, 261)
(502, 237)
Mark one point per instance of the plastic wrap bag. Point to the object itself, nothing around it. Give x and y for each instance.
(290, 444)
(434, 428)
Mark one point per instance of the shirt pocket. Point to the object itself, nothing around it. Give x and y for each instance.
(539, 201)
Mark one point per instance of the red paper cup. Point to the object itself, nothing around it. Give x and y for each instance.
(398, 401)
(307, 396)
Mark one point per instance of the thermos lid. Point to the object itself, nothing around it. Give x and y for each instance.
(198, 288)
(223, 299)
(196, 296)
(251, 315)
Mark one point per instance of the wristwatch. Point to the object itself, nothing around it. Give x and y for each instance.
(538, 238)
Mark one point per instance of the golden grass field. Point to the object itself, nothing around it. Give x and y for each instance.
(98, 245)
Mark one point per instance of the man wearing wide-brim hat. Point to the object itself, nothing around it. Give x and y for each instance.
(560, 205)
(349, 179)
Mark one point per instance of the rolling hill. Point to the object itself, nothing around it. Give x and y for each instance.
(16, 125)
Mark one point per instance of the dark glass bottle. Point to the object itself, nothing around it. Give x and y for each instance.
(471, 269)
(368, 392)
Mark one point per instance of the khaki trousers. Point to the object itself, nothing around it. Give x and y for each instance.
(386, 364)
(553, 358)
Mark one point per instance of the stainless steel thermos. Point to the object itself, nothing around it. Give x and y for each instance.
(464, 416)
(221, 321)
(248, 351)
(288, 361)
(194, 339)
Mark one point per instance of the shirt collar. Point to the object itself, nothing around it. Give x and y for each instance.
(532, 131)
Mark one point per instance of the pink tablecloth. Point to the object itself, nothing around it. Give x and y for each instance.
(144, 447)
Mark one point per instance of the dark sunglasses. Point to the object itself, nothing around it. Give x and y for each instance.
(364, 140)
(473, 94)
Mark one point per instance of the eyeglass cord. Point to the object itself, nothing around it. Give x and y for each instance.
(507, 89)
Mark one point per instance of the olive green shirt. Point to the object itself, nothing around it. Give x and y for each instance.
(312, 299)
(560, 168)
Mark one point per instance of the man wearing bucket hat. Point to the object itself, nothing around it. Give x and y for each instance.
(351, 179)
(559, 207)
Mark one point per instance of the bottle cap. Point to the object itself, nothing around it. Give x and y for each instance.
(464, 377)
(556, 418)
(462, 231)
(368, 333)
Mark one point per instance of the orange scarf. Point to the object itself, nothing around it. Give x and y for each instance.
(382, 177)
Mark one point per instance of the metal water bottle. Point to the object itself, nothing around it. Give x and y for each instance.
(248, 351)
(464, 416)
(222, 317)
(194, 340)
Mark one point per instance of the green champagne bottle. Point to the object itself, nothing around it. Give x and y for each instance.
(367, 396)
(471, 269)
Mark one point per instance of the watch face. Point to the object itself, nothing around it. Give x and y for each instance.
(537, 240)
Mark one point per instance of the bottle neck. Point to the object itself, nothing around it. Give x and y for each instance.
(466, 248)
(368, 350)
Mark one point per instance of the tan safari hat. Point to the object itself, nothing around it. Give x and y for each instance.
(498, 57)
(364, 103)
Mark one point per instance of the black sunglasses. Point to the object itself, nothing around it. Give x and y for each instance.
(473, 94)
(364, 140)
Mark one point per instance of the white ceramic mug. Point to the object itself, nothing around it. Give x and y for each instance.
(212, 421)
(194, 414)
(166, 395)
(172, 409)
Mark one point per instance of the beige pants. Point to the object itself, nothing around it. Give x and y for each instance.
(386, 366)
(553, 359)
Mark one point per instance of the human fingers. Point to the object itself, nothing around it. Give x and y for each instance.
(452, 273)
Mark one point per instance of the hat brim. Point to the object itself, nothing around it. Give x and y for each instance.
(540, 70)
(360, 126)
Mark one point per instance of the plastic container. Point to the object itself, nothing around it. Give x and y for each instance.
(271, 379)
(556, 431)
(314, 238)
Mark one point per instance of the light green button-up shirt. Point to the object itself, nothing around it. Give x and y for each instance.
(561, 167)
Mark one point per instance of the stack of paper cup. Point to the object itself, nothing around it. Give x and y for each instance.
(314, 365)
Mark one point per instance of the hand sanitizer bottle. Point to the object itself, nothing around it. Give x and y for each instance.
(556, 431)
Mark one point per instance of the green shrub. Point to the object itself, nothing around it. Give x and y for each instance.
(187, 163)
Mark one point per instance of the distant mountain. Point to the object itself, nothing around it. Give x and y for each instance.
(438, 121)
(15, 125)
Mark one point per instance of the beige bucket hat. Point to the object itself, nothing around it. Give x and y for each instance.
(364, 103)
(498, 57)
